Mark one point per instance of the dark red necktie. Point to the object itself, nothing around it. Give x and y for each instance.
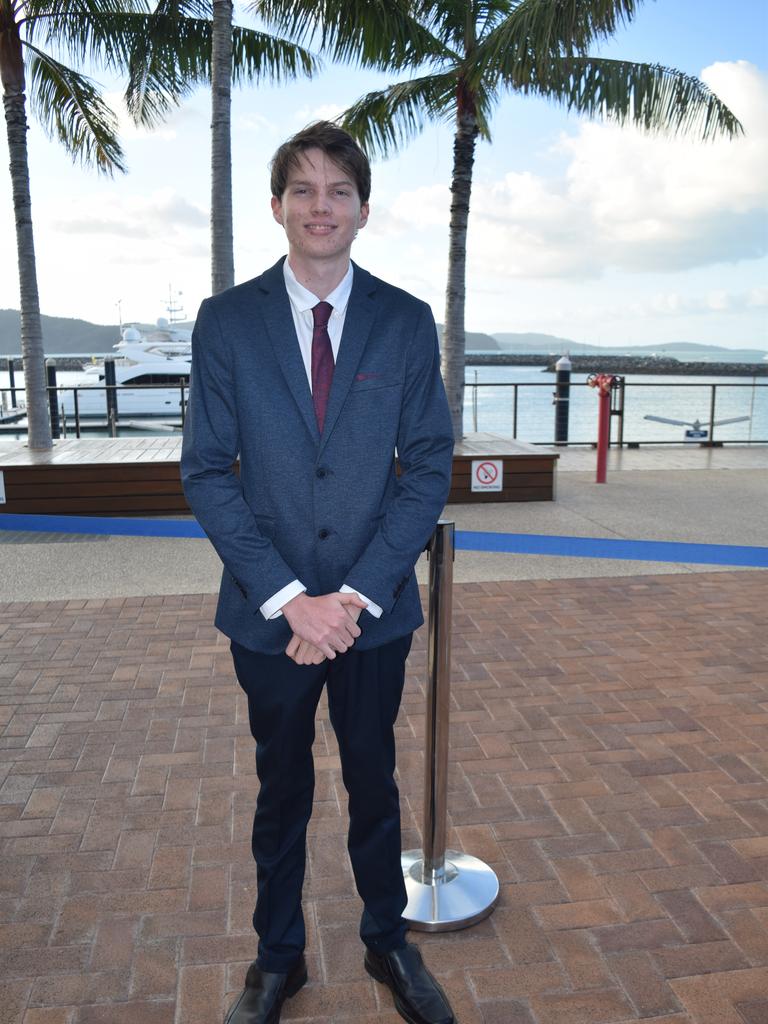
(322, 361)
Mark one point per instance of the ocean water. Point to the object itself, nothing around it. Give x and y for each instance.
(645, 394)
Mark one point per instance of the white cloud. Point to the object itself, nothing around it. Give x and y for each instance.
(627, 200)
(326, 112)
(162, 214)
(672, 304)
(127, 129)
(254, 122)
(115, 232)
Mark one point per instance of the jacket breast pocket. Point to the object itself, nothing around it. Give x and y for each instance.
(374, 384)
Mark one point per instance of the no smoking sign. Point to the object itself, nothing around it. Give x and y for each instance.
(487, 474)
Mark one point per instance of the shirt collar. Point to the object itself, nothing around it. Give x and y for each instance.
(304, 300)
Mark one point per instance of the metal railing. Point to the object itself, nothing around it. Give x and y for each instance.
(619, 408)
(626, 396)
(60, 419)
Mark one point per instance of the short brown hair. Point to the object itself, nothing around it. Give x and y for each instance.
(337, 145)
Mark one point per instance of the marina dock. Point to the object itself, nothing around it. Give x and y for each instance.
(140, 475)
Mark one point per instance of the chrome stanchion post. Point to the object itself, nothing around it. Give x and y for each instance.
(446, 889)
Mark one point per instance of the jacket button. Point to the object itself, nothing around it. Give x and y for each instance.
(322, 534)
(320, 474)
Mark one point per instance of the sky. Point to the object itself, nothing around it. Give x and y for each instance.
(578, 228)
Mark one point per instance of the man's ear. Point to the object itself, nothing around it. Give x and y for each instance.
(277, 209)
(364, 211)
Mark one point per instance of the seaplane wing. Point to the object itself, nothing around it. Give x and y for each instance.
(735, 419)
(663, 419)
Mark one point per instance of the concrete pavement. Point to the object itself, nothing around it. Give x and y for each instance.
(710, 496)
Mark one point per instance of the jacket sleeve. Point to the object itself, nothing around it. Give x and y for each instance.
(425, 453)
(211, 485)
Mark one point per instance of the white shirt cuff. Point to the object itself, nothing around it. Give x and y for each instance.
(272, 609)
(374, 609)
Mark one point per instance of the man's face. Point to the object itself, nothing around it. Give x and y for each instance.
(320, 208)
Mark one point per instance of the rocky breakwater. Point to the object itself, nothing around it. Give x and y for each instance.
(621, 365)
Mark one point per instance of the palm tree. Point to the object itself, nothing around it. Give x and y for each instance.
(36, 37)
(192, 42)
(470, 52)
(222, 229)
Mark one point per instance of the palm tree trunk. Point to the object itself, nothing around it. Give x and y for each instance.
(453, 334)
(222, 245)
(14, 101)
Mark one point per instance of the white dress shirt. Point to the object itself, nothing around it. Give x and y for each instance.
(302, 303)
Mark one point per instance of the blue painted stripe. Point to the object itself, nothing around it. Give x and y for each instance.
(466, 540)
(605, 547)
(112, 526)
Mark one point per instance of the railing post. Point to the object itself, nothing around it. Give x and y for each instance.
(712, 401)
(110, 381)
(619, 407)
(562, 399)
(53, 397)
(75, 392)
(12, 381)
(446, 889)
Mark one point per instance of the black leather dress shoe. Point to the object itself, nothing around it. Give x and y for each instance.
(419, 999)
(262, 998)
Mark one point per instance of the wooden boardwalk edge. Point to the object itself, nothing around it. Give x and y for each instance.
(140, 476)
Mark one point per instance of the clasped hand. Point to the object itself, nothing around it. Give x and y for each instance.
(322, 626)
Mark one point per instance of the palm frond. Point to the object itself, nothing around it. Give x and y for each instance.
(175, 55)
(486, 97)
(454, 22)
(379, 33)
(70, 108)
(260, 55)
(97, 32)
(650, 96)
(165, 64)
(384, 120)
(538, 29)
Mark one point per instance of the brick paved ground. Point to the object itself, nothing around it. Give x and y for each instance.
(609, 759)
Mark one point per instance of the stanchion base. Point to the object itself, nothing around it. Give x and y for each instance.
(464, 894)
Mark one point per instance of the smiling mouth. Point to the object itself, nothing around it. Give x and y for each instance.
(320, 229)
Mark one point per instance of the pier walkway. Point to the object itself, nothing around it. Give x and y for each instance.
(609, 759)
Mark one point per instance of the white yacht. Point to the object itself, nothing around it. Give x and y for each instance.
(151, 367)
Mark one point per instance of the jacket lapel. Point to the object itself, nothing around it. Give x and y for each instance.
(361, 312)
(278, 319)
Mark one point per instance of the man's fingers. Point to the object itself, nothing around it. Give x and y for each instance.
(354, 599)
(309, 654)
(303, 652)
(293, 645)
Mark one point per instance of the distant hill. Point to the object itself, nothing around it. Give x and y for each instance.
(476, 342)
(683, 350)
(60, 334)
(533, 342)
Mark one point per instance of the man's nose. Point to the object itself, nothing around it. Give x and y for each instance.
(321, 203)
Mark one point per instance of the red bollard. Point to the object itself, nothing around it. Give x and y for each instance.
(604, 383)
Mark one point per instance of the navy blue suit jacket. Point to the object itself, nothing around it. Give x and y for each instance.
(329, 509)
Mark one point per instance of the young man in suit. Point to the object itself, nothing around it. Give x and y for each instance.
(314, 374)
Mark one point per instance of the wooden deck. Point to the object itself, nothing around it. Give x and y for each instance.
(140, 475)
